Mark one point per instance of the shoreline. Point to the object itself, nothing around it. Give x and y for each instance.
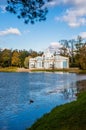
(23, 70)
(17, 69)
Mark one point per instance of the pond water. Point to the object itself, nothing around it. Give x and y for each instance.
(25, 97)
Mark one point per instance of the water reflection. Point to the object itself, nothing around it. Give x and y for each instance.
(69, 93)
(66, 92)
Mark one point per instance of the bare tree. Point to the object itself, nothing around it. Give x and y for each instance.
(72, 45)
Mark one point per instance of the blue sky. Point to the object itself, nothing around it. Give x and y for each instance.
(66, 19)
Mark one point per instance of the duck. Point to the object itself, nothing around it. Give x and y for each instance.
(31, 101)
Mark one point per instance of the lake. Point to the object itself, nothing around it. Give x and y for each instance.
(25, 97)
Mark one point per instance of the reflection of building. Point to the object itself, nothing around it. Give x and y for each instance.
(49, 60)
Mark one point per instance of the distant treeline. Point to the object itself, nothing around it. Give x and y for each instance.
(74, 49)
(17, 58)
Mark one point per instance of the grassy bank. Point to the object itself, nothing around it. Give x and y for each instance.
(16, 69)
(71, 116)
(82, 71)
(8, 69)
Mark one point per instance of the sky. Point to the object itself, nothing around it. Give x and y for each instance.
(66, 19)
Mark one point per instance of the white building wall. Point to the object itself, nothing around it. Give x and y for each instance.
(39, 64)
(46, 64)
(49, 61)
(58, 64)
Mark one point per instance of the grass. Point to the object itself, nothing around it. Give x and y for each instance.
(71, 116)
(8, 69)
(82, 72)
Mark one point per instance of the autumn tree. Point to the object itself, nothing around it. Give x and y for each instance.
(82, 58)
(15, 58)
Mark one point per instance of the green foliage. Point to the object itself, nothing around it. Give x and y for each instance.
(71, 116)
(6, 58)
(0, 57)
(23, 55)
(82, 57)
(30, 10)
(33, 53)
(26, 62)
(8, 69)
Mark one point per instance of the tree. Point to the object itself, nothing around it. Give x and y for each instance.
(79, 43)
(78, 47)
(16, 59)
(26, 62)
(23, 54)
(34, 54)
(0, 56)
(82, 58)
(29, 10)
(40, 53)
(64, 50)
(6, 58)
(72, 46)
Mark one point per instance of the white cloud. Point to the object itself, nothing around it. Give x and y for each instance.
(74, 2)
(83, 35)
(75, 14)
(52, 3)
(67, 2)
(74, 17)
(54, 47)
(55, 44)
(13, 31)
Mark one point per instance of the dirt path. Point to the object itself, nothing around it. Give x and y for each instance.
(23, 70)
